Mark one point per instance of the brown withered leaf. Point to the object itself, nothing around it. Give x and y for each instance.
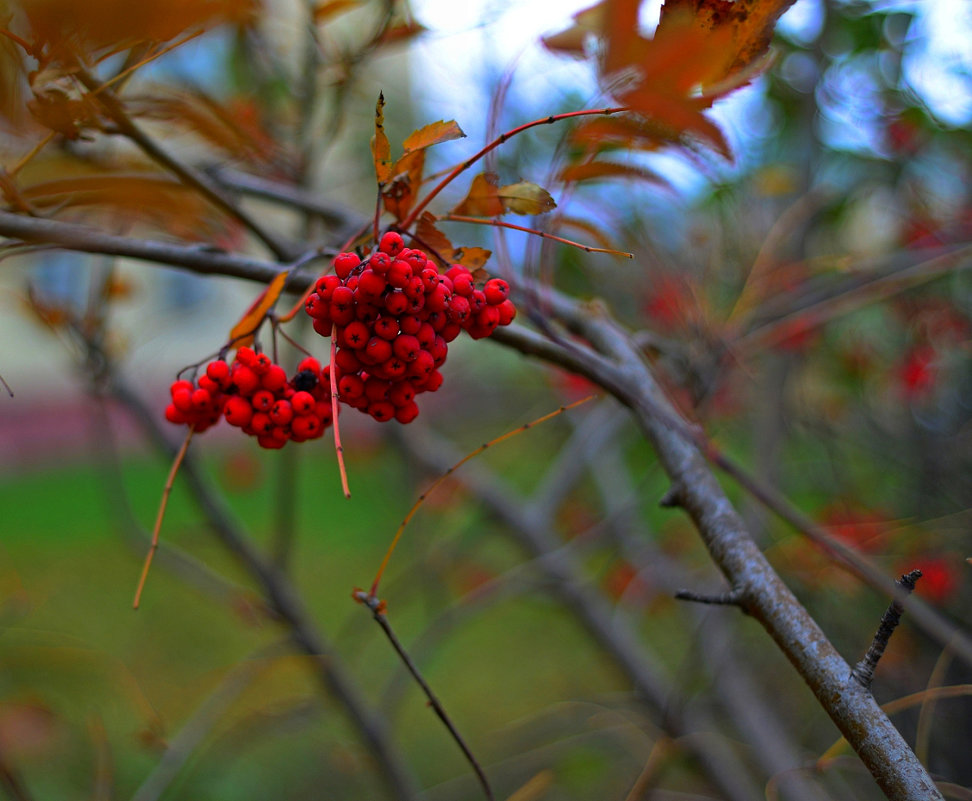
(482, 200)
(750, 23)
(486, 198)
(242, 333)
(472, 259)
(67, 29)
(401, 32)
(147, 198)
(432, 134)
(380, 148)
(602, 170)
(406, 175)
(433, 239)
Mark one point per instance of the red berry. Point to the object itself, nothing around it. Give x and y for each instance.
(371, 284)
(261, 423)
(377, 351)
(399, 274)
(350, 386)
(376, 389)
(391, 243)
(507, 312)
(173, 414)
(317, 307)
(182, 397)
(381, 411)
(394, 368)
(406, 347)
(396, 303)
(238, 411)
(401, 393)
(246, 356)
(218, 371)
(202, 401)
(380, 262)
(347, 361)
(303, 402)
(410, 324)
(262, 400)
(261, 364)
(407, 412)
(496, 291)
(355, 335)
(306, 427)
(282, 412)
(275, 379)
(326, 284)
(344, 263)
(462, 284)
(309, 363)
(386, 328)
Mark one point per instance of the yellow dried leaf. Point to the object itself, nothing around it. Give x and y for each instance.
(482, 200)
(472, 258)
(380, 148)
(526, 198)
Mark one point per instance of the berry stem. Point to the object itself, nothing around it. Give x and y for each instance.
(534, 231)
(465, 165)
(421, 499)
(334, 415)
(176, 464)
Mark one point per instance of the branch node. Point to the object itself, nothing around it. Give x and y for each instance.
(672, 498)
(863, 671)
(732, 598)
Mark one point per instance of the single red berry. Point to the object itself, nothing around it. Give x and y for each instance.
(202, 401)
(386, 327)
(323, 325)
(261, 364)
(377, 351)
(406, 347)
(401, 393)
(410, 323)
(380, 262)
(342, 305)
(182, 397)
(507, 312)
(407, 412)
(462, 284)
(275, 379)
(309, 363)
(218, 371)
(394, 368)
(381, 411)
(206, 383)
(174, 415)
(317, 307)
(262, 400)
(391, 243)
(261, 423)
(434, 381)
(423, 365)
(496, 291)
(306, 427)
(269, 442)
(355, 335)
(399, 274)
(246, 356)
(326, 284)
(425, 335)
(282, 412)
(344, 263)
(458, 309)
(371, 284)
(303, 402)
(396, 303)
(245, 380)
(350, 386)
(238, 411)
(450, 331)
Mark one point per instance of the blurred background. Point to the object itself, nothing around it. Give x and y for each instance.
(806, 302)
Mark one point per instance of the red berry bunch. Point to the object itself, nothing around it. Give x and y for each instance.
(392, 317)
(254, 394)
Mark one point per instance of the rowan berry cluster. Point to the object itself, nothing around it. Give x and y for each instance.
(392, 317)
(254, 394)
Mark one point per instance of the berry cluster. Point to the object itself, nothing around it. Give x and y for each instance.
(392, 317)
(254, 394)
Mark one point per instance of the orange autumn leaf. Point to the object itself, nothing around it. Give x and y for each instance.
(432, 134)
(630, 133)
(749, 23)
(433, 240)
(380, 147)
(472, 259)
(486, 198)
(242, 333)
(406, 177)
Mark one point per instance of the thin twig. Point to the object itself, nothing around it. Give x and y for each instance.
(863, 671)
(731, 598)
(377, 611)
